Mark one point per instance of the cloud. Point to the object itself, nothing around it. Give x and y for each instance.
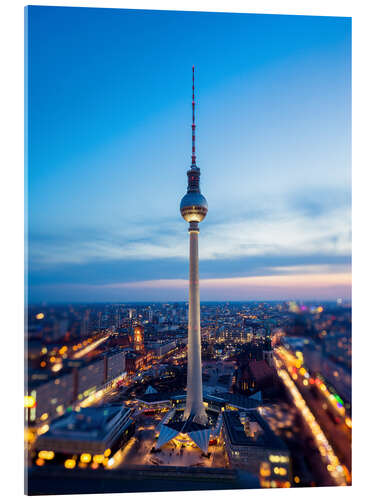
(289, 238)
(279, 287)
(282, 232)
(297, 276)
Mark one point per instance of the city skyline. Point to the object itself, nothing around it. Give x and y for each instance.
(273, 143)
(84, 362)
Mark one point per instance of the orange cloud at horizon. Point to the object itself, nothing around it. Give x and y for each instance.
(301, 281)
(302, 285)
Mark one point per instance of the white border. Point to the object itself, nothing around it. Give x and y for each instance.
(11, 198)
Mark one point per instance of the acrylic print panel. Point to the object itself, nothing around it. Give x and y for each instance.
(189, 252)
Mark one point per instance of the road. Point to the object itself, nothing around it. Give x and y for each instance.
(330, 417)
(90, 347)
(338, 433)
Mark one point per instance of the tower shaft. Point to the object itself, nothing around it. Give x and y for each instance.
(194, 398)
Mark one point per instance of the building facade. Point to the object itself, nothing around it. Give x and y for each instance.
(251, 445)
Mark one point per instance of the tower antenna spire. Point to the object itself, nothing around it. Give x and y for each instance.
(193, 155)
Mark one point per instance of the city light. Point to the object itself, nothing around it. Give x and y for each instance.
(83, 352)
(323, 445)
(280, 470)
(29, 436)
(85, 458)
(70, 463)
(29, 402)
(46, 455)
(43, 429)
(293, 362)
(278, 458)
(299, 356)
(101, 383)
(265, 469)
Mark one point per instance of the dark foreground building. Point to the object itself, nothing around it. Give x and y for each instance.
(85, 438)
(137, 479)
(251, 445)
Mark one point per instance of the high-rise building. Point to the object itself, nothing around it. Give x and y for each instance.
(193, 209)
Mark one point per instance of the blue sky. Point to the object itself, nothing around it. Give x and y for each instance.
(109, 110)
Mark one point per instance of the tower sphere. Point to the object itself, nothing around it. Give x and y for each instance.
(193, 207)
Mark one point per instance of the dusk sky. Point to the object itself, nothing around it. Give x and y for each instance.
(109, 144)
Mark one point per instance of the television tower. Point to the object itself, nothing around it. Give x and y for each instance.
(193, 209)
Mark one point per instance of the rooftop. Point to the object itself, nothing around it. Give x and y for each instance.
(260, 433)
(186, 426)
(238, 400)
(160, 397)
(260, 369)
(91, 423)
